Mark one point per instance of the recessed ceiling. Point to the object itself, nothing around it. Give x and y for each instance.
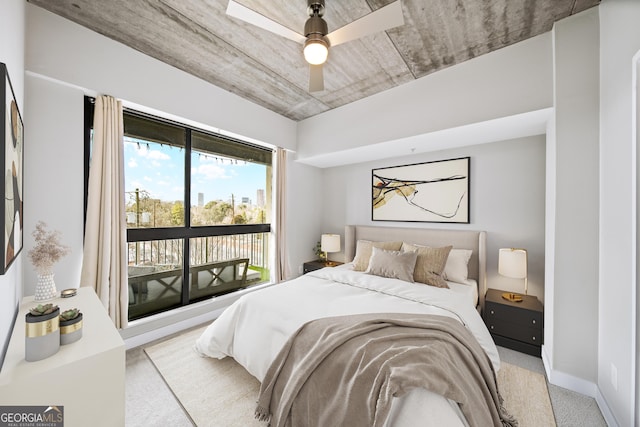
(198, 37)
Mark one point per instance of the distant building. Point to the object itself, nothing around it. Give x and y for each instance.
(246, 201)
(201, 199)
(260, 198)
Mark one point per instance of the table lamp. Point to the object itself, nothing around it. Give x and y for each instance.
(329, 243)
(512, 262)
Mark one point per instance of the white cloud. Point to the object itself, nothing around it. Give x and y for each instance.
(148, 153)
(211, 171)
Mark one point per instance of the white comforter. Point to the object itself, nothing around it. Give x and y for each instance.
(254, 328)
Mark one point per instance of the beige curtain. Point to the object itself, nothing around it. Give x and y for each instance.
(104, 259)
(281, 263)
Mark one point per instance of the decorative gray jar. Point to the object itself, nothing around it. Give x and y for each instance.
(71, 330)
(42, 335)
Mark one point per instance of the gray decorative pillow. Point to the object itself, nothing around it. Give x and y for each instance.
(430, 264)
(392, 264)
(363, 252)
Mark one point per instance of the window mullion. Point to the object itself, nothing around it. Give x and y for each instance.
(186, 259)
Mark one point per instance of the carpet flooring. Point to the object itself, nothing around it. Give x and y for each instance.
(220, 393)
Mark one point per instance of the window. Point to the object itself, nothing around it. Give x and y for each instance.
(198, 211)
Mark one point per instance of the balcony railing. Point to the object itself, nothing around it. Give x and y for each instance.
(217, 265)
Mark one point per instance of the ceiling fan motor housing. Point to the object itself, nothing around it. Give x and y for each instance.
(315, 29)
(315, 25)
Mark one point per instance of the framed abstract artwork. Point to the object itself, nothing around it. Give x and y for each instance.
(11, 157)
(423, 192)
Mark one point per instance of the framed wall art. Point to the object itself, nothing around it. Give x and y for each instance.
(423, 192)
(11, 157)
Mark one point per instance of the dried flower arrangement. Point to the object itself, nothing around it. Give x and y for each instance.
(48, 250)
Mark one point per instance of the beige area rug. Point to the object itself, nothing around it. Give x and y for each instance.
(220, 393)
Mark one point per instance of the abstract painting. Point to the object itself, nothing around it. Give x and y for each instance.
(11, 157)
(424, 192)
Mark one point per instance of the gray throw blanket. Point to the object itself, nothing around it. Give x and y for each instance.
(345, 371)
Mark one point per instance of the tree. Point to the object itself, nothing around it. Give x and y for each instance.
(221, 211)
(177, 213)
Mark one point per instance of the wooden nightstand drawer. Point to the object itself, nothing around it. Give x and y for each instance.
(516, 325)
(502, 313)
(511, 330)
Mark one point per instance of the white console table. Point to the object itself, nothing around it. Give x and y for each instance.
(85, 377)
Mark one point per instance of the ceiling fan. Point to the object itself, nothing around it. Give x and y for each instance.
(316, 39)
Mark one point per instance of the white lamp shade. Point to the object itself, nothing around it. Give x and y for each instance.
(330, 243)
(512, 263)
(315, 52)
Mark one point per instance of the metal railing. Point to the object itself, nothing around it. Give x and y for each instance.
(203, 250)
(155, 269)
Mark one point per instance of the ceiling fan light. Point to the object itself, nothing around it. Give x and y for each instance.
(316, 51)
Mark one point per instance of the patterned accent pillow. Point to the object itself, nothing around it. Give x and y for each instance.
(363, 252)
(392, 264)
(430, 264)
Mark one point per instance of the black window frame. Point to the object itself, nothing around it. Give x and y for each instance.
(187, 231)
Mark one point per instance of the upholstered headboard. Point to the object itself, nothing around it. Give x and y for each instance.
(460, 239)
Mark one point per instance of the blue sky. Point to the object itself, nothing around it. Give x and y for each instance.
(159, 169)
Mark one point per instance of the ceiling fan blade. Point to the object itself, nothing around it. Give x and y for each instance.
(316, 80)
(247, 15)
(386, 17)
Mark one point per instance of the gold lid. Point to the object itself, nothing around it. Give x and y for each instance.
(68, 293)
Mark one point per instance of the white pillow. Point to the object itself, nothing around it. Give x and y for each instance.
(457, 267)
(392, 264)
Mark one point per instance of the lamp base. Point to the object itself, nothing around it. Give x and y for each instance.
(510, 296)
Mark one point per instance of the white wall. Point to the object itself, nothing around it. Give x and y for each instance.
(54, 162)
(572, 358)
(510, 81)
(507, 200)
(305, 209)
(12, 24)
(637, 211)
(619, 42)
(550, 230)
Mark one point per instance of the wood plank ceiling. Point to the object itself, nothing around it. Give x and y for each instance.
(198, 37)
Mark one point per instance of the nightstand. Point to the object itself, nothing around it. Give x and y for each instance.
(317, 265)
(515, 325)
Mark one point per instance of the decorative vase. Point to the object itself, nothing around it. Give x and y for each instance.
(46, 288)
(70, 330)
(42, 335)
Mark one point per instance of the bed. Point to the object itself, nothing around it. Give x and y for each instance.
(256, 327)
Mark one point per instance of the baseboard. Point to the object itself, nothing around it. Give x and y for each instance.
(578, 385)
(564, 380)
(155, 334)
(606, 412)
